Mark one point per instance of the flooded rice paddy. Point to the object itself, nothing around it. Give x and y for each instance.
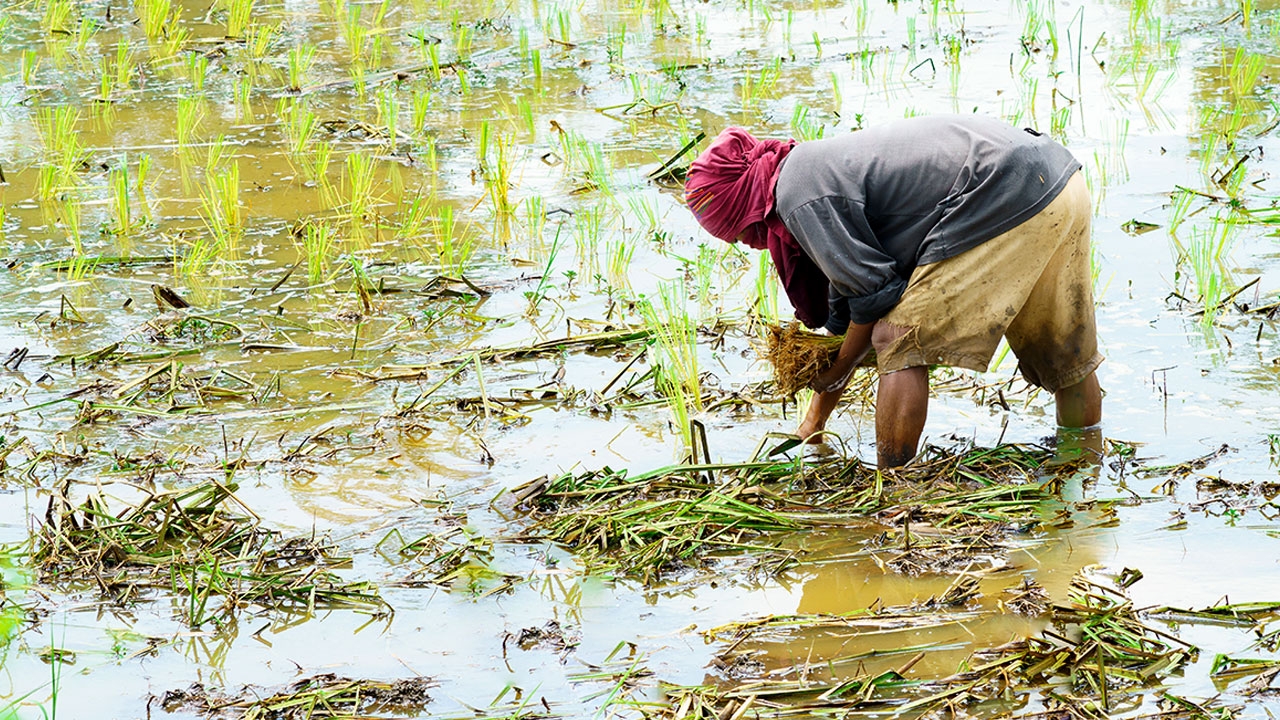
(362, 361)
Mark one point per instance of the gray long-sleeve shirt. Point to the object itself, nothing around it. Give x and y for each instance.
(871, 206)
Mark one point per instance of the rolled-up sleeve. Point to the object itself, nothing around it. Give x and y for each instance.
(834, 232)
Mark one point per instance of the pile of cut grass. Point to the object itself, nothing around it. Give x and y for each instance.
(660, 522)
(200, 542)
(318, 696)
(1097, 654)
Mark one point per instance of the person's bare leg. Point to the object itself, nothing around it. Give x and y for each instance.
(902, 405)
(1080, 405)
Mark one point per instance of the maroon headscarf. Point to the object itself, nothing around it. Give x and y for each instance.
(730, 187)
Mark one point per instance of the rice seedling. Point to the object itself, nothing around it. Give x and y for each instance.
(319, 243)
(299, 124)
(564, 24)
(29, 63)
(70, 216)
(675, 333)
(355, 34)
(803, 126)
(239, 14)
(1059, 121)
(115, 77)
(389, 114)
(535, 220)
(176, 35)
(301, 58)
(497, 178)
(242, 91)
(48, 184)
(359, 83)
(588, 224)
(318, 167)
(414, 217)
(223, 218)
(420, 107)
(1206, 252)
(432, 51)
(57, 17)
(154, 17)
(358, 181)
(619, 252)
(524, 110)
(86, 29)
(615, 42)
(215, 155)
(189, 116)
(57, 127)
(644, 209)
(118, 180)
(455, 243)
(764, 301)
(755, 87)
(539, 292)
(1243, 74)
(197, 71)
(258, 39)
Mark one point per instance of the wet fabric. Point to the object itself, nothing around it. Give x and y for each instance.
(729, 188)
(872, 206)
(1032, 284)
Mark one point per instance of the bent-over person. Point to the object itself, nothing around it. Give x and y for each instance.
(928, 239)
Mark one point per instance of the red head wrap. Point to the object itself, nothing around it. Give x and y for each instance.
(729, 188)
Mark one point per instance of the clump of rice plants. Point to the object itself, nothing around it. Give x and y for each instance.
(798, 356)
(223, 217)
(319, 242)
(675, 331)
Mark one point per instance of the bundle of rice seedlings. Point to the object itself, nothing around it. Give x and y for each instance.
(799, 356)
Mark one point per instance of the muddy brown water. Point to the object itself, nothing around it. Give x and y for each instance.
(1136, 91)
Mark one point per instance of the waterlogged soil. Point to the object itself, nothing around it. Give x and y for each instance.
(299, 298)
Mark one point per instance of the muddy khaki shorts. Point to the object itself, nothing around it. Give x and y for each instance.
(1032, 284)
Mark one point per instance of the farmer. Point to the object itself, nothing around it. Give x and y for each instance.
(927, 239)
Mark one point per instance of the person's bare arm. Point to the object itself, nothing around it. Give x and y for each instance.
(831, 383)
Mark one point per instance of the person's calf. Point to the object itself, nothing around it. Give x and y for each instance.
(902, 406)
(1080, 405)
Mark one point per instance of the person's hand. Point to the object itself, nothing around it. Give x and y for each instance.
(815, 417)
(835, 378)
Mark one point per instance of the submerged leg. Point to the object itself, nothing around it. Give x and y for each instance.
(1080, 405)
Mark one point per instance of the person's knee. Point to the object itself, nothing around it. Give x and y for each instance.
(883, 335)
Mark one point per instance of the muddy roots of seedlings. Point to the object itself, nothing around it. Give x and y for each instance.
(799, 356)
